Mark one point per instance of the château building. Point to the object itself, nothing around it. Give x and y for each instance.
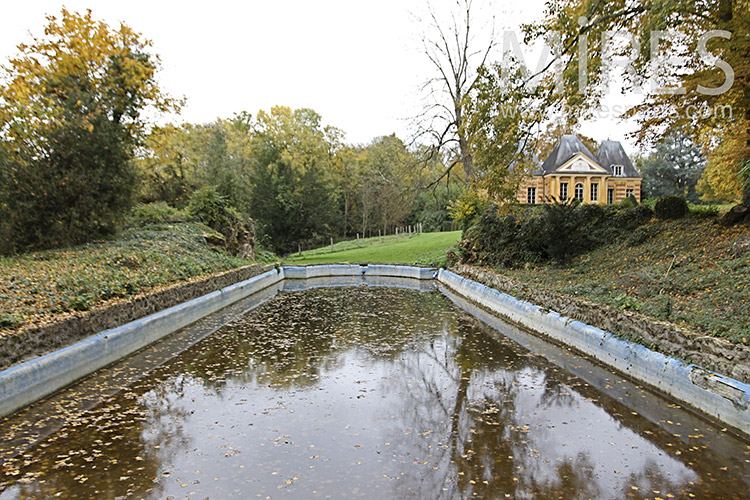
(572, 171)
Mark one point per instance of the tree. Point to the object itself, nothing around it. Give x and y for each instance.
(550, 136)
(293, 197)
(502, 117)
(72, 111)
(385, 180)
(673, 168)
(455, 54)
(706, 91)
(168, 169)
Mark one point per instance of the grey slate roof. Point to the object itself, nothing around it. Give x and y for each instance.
(612, 153)
(565, 149)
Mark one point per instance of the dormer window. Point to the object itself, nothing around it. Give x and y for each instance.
(617, 170)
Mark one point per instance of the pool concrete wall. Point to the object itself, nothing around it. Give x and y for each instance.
(723, 398)
(27, 382)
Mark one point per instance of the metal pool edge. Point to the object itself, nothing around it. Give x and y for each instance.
(37, 378)
(723, 398)
(25, 383)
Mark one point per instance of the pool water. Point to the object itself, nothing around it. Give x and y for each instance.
(372, 393)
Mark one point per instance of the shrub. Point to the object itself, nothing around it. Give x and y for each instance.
(209, 207)
(556, 232)
(468, 207)
(154, 213)
(629, 202)
(671, 207)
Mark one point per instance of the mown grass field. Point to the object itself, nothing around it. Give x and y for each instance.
(424, 249)
(41, 286)
(692, 272)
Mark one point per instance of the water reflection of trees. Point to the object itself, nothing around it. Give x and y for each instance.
(461, 397)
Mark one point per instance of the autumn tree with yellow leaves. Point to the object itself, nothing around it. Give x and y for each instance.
(691, 57)
(73, 108)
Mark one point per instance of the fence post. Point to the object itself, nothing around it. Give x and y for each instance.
(357, 239)
(331, 243)
(380, 237)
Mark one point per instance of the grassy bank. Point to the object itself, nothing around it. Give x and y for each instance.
(692, 272)
(424, 249)
(42, 286)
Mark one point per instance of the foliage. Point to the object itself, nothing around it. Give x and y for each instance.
(700, 95)
(673, 168)
(629, 202)
(38, 286)
(468, 207)
(182, 159)
(212, 209)
(81, 188)
(671, 207)
(430, 208)
(705, 289)
(500, 118)
(705, 211)
(72, 110)
(383, 175)
(293, 196)
(154, 213)
(554, 232)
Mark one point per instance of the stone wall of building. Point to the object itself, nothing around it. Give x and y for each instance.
(712, 353)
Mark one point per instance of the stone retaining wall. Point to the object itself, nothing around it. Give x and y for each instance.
(36, 341)
(713, 353)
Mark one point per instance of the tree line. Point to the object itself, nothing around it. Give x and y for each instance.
(298, 179)
(78, 150)
(78, 147)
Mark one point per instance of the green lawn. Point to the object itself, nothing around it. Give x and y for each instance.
(425, 249)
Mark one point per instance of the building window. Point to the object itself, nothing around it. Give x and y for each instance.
(617, 170)
(610, 196)
(628, 193)
(563, 191)
(531, 195)
(579, 192)
(595, 192)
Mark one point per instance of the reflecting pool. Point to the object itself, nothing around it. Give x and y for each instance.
(364, 392)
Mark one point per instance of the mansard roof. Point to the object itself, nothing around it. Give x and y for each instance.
(612, 153)
(568, 146)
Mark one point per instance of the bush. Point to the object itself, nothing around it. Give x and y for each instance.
(671, 207)
(212, 209)
(468, 207)
(556, 232)
(629, 202)
(154, 213)
(79, 190)
(209, 207)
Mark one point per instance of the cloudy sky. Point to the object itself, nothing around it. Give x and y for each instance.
(359, 63)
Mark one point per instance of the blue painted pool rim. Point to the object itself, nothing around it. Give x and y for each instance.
(722, 398)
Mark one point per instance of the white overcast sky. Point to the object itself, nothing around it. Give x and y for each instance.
(357, 63)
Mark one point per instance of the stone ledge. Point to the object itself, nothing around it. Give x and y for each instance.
(713, 353)
(32, 341)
